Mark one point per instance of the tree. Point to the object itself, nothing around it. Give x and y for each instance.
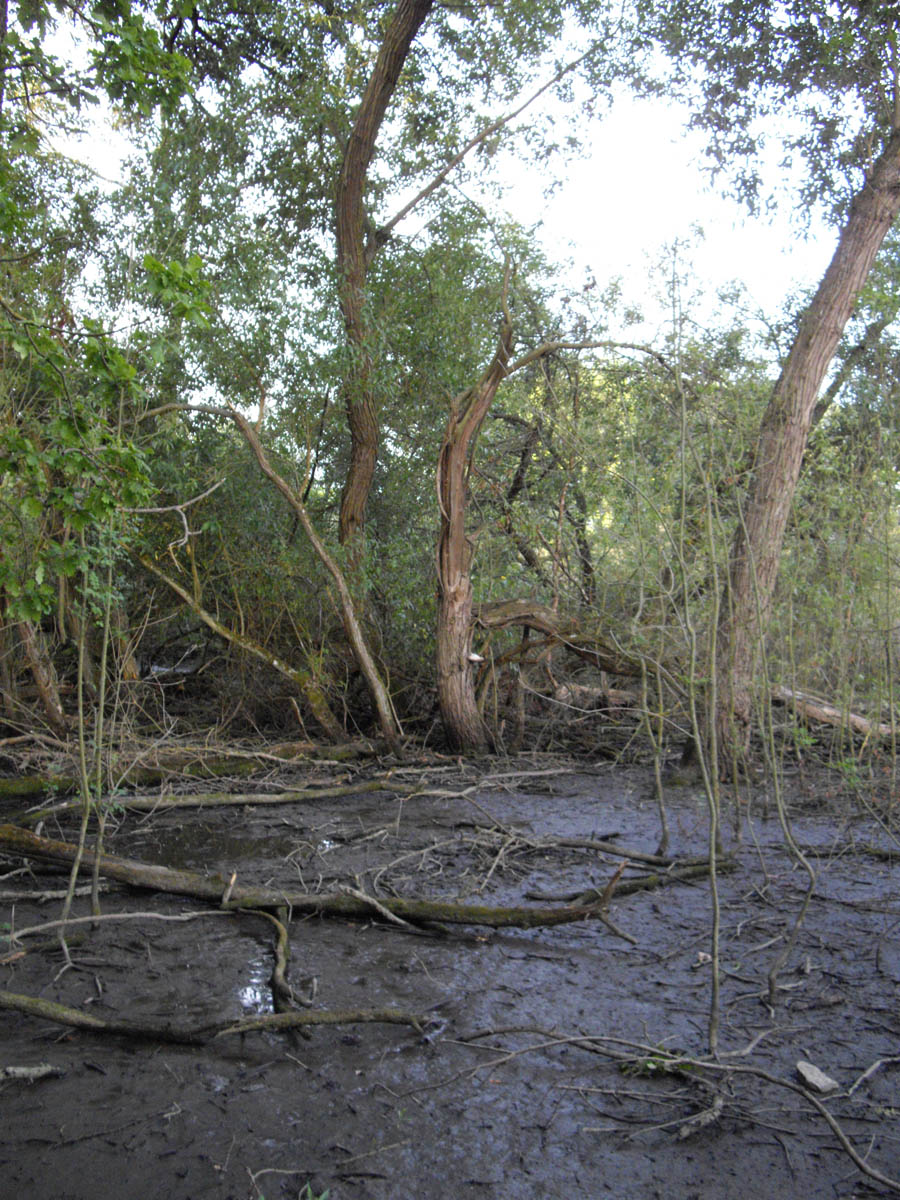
(756, 551)
(463, 724)
(69, 466)
(438, 79)
(751, 58)
(354, 252)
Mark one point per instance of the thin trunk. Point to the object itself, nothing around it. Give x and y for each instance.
(527, 552)
(4, 30)
(455, 678)
(579, 521)
(387, 719)
(354, 253)
(782, 441)
(309, 686)
(9, 697)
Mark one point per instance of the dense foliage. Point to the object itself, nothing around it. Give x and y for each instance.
(140, 323)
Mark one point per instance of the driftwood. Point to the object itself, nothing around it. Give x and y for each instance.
(814, 709)
(218, 888)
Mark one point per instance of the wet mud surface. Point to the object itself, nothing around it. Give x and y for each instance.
(551, 1098)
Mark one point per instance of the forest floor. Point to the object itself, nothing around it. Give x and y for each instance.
(540, 1065)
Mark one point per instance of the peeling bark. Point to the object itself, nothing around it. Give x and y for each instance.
(455, 677)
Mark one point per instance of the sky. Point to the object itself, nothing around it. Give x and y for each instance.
(639, 188)
(636, 188)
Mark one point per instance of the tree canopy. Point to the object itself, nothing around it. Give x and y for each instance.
(299, 406)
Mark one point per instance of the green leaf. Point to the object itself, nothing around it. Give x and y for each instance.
(31, 507)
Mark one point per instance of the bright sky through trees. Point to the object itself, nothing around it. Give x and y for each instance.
(637, 189)
(640, 187)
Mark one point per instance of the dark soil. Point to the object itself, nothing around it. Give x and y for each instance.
(526, 1109)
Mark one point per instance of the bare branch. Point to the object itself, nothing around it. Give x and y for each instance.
(385, 230)
(179, 508)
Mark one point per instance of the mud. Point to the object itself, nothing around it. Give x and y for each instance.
(523, 1110)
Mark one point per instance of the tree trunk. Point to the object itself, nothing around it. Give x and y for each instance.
(455, 680)
(784, 431)
(353, 257)
(41, 666)
(9, 692)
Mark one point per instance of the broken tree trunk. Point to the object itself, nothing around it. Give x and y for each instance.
(455, 677)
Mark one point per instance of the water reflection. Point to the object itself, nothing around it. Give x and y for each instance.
(256, 996)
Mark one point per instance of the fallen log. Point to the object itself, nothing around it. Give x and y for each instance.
(226, 892)
(814, 709)
(157, 804)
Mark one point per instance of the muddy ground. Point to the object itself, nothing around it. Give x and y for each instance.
(541, 1103)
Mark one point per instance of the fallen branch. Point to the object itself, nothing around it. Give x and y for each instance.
(199, 1035)
(16, 840)
(198, 762)
(643, 883)
(224, 799)
(102, 918)
(567, 632)
(623, 1051)
(30, 1074)
(826, 714)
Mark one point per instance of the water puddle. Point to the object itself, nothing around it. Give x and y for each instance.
(256, 995)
